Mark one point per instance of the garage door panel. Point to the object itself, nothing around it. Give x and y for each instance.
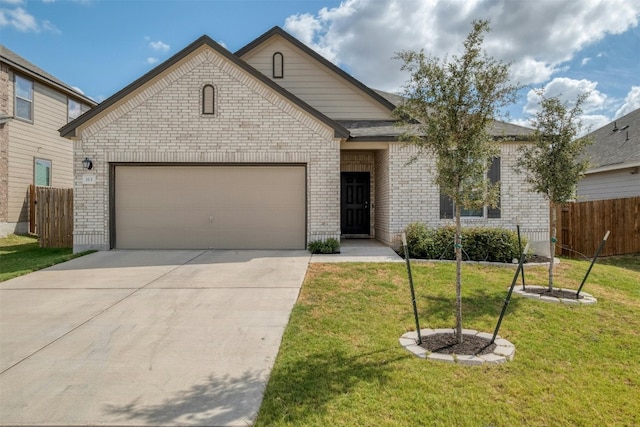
(224, 207)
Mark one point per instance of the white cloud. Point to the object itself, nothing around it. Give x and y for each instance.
(49, 27)
(152, 60)
(23, 21)
(631, 102)
(77, 89)
(19, 19)
(568, 90)
(13, 2)
(538, 38)
(159, 46)
(585, 61)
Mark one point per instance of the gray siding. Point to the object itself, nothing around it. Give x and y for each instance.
(609, 185)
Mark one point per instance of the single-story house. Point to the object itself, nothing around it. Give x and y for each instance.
(33, 106)
(614, 157)
(271, 147)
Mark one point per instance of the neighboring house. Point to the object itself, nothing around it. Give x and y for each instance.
(270, 147)
(614, 172)
(33, 106)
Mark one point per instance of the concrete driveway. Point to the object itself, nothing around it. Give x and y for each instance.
(145, 337)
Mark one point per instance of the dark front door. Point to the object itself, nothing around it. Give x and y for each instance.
(354, 202)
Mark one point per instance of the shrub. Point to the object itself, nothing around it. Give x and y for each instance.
(329, 246)
(478, 243)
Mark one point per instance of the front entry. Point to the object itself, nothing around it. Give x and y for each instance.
(354, 203)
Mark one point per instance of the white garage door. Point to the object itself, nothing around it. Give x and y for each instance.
(217, 207)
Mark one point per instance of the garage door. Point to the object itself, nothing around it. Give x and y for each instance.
(217, 207)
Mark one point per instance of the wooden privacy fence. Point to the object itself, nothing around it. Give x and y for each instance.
(51, 211)
(582, 225)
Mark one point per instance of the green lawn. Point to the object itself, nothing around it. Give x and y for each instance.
(21, 255)
(340, 363)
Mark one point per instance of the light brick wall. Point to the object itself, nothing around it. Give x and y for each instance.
(162, 123)
(414, 197)
(383, 197)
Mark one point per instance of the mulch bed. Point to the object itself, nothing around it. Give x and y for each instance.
(556, 293)
(536, 258)
(447, 344)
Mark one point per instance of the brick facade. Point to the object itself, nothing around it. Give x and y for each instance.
(162, 123)
(406, 194)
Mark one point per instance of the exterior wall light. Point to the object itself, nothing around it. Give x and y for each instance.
(87, 164)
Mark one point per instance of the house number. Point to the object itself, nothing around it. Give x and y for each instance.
(89, 179)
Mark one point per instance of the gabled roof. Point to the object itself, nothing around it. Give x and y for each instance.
(277, 31)
(69, 129)
(25, 67)
(616, 145)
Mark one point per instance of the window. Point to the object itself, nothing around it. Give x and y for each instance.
(74, 109)
(42, 172)
(208, 99)
(447, 210)
(24, 98)
(278, 65)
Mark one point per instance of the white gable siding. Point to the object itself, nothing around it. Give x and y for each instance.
(161, 123)
(315, 84)
(609, 185)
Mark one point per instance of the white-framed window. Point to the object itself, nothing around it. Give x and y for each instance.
(42, 172)
(74, 109)
(23, 98)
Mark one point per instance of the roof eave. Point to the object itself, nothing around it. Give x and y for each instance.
(69, 129)
(43, 79)
(611, 168)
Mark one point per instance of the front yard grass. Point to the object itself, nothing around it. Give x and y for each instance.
(340, 363)
(21, 255)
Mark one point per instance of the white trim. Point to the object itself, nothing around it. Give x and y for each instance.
(609, 168)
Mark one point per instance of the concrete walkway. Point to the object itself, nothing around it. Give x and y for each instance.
(145, 337)
(360, 250)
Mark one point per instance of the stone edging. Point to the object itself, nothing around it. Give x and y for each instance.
(587, 300)
(556, 261)
(503, 352)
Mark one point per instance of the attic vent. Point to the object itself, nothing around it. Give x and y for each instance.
(278, 65)
(208, 99)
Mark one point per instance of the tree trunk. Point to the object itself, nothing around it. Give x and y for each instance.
(552, 242)
(458, 248)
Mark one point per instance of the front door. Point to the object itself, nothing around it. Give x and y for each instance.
(354, 203)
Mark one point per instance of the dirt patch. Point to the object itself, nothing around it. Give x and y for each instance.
(447, 344)
(555, 293)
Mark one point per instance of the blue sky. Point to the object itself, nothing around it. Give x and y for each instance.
(562, 47)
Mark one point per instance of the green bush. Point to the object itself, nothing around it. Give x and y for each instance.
(478, 243)
(329, 246)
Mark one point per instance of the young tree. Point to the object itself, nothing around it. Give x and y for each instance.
(450, 105)
(554, 163)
